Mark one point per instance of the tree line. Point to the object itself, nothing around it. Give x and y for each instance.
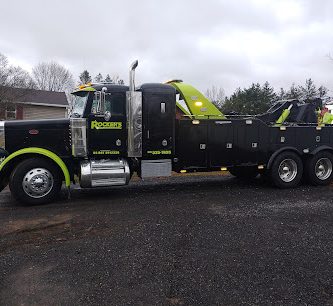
(50, 76)
(85, 78)
(258, 98)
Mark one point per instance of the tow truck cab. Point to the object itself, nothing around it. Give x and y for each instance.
(112, 125)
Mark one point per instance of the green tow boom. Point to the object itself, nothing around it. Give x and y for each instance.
(195, 104)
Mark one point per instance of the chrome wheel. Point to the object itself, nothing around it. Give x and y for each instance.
(38, 182)
(287, 170)
(323, 168)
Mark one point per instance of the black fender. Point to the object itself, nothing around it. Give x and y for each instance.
(321, 148)
(276, 153)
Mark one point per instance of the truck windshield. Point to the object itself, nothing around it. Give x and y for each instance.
(79, 103)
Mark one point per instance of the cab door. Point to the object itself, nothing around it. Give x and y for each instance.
(107, 131)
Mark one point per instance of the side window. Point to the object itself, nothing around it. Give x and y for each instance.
(115, 104)
(10, 112)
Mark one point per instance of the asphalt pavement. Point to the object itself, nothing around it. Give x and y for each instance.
(185, 240)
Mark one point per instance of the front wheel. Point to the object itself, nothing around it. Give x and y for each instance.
(35, 181)
(286, 170)
(319, 169)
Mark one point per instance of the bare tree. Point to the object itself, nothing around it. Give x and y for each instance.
(53, 77)
(10, 78)
(117, 80)
(216, 95)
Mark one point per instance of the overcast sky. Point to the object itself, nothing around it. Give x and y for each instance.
(223, 43)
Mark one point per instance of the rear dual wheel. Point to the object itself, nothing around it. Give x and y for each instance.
(286, 170)
(319, 168)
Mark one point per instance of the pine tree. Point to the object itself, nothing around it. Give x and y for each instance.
(108, 79)
(294, 92)
(322, 91)
(253, 100)
(309, 91)
(268, 95)
(85, 77)
(99, 78)
(282, 94)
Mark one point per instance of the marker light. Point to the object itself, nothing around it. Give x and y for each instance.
(224, 169)
(195, 121)
(198, 103)
(183, 171)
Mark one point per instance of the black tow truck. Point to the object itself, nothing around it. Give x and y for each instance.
(115, 131)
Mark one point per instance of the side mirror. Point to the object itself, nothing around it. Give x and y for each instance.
(101, 107)
(107, 116)
(102, 104)
(98, 98)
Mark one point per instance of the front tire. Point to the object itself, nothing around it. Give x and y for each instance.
(35, 181)
(319, 169)
(286, 170)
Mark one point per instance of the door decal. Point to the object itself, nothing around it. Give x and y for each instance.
(100, 125)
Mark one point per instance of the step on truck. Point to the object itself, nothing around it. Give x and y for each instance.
(115, 131)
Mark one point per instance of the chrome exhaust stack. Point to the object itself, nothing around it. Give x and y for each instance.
(134, 116)
(132, 75)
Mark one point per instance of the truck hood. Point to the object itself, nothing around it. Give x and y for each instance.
(51, 134)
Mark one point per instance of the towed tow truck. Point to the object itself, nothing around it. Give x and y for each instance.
(151, 130)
